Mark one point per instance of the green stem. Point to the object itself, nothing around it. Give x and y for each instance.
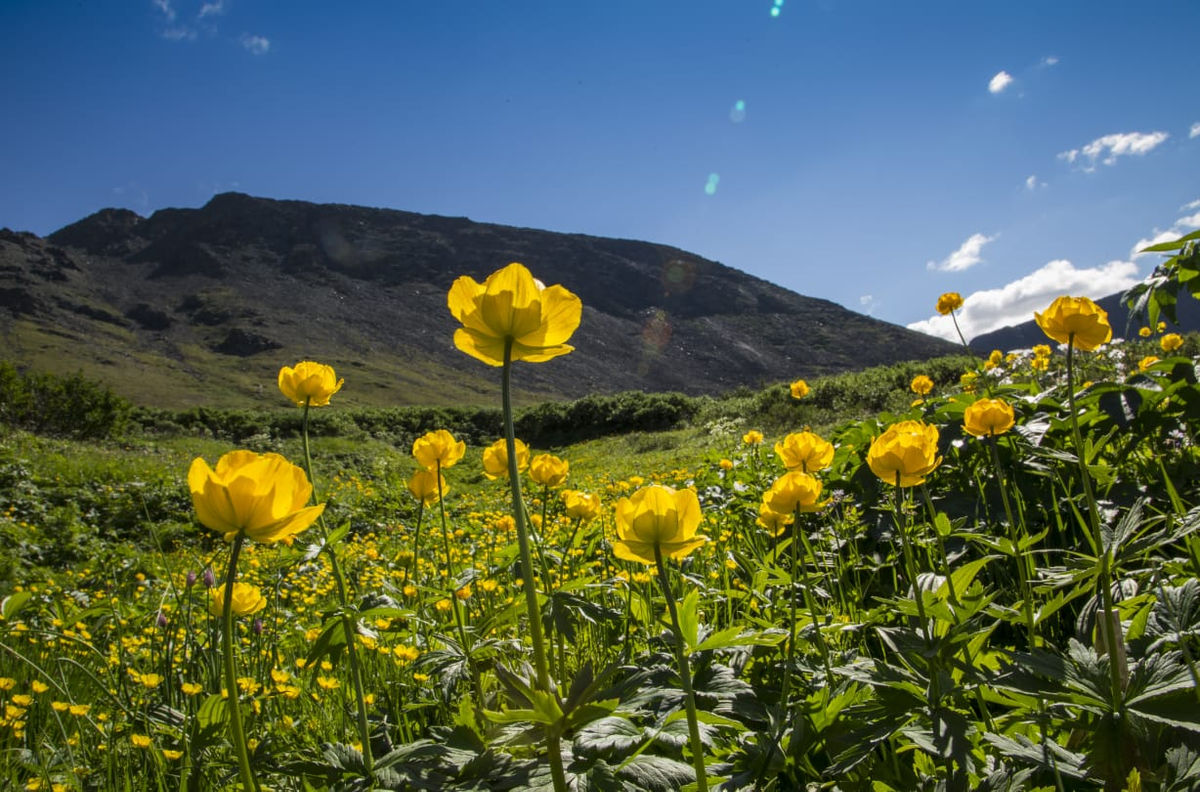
(1015, 538)
(685, 675)
(557, 773)
(237, 732)
(966, 346)
(1105, 574)
(349, 623)
(454, 603)
(910, 566)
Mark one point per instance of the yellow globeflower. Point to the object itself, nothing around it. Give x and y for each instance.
(309, 383)
(775, 522)
(907, 450)
(548, 470)
(1146, 362)
(438, 449)
(805, 451)
(657, 516)
(1170, 342)
(262, 495)
(1076, 318)
(799, 389)
(428, 487)
(247, 599)
(1042, 350)
(512, 306)
(1145, 332)
(581, 505)
(495, 459)
(949, 302)
(794, 491)
(987, 417)
(921, 385)
(753, 437)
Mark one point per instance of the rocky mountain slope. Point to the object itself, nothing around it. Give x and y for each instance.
(202, 307)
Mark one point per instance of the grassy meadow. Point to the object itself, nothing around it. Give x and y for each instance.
(1023, 617)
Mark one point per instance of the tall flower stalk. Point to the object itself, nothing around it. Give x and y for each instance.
(237, 731)
(509, 317)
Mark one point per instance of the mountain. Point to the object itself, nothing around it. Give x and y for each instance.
(1026, 334)
(202, 306)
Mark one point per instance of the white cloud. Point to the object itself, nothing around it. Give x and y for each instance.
(868, 303)
(214, 8)
(256, 45)
(1032, 183)
(1187, 207)
(165, 7)
(1180, 227)
(1014, 303)
(1001, 81)
(1195, 130)
(1106, 149)
(967, 255)
(1050, 60)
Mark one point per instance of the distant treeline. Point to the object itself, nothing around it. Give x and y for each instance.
(74, 406)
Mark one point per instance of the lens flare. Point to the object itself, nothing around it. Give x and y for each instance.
(711, 187)
(738, 114)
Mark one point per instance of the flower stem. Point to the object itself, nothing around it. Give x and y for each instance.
(531, 602)
(454, 603)
(349, 623)
(1104, 574)
(237, 732)
(685, 675)
(1015, 538)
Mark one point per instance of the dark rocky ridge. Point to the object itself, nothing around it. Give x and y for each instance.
(252, 283)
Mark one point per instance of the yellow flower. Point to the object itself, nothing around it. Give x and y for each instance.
(79, 710)
(150, 681)
(775, 522)
(1162, 326)
(799, 389)
(1147, 362)
(988, 417)
(309, 383)
(1041, 350)
(171, 755)
(247, 599)
(725, 464)
(967, 381)
(921, 385)
(794, 491)
(428, 486)
(140, 740)
(657, 516)
(511, 306)
(1039, 363)
(38, 687)
(191, 688)
(996, 358)
(438, 449)
(1076, 319)
(805, 451)
(948, 302)
(1145, 332)
(464, 593)
(548, 470)
(581, 505)
(906, 450)
(753, 437)
(1170, 342)
(443, 605)
(263, 495)
(7, 683)
(328, 683)
(495, 459)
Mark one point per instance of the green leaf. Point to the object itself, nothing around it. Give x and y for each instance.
(689, 619)
(734, 636)
(13, 603)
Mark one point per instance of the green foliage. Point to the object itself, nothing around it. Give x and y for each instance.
(70, 406)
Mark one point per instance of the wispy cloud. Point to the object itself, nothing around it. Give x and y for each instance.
(1187, 207)
(1106, 149)
(256, 45)
(166, 8)
(1032, 183)
(1015, 302)
(869, 303)
(1195, 130)
(214, 8)
(1049, 60)
(967, 255)
(1001, 81)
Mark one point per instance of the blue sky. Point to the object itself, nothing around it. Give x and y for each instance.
(871, 152)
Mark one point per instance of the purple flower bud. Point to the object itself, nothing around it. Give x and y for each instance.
(258, 626)
(162, 620)
(210, 580)
(191, 578)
